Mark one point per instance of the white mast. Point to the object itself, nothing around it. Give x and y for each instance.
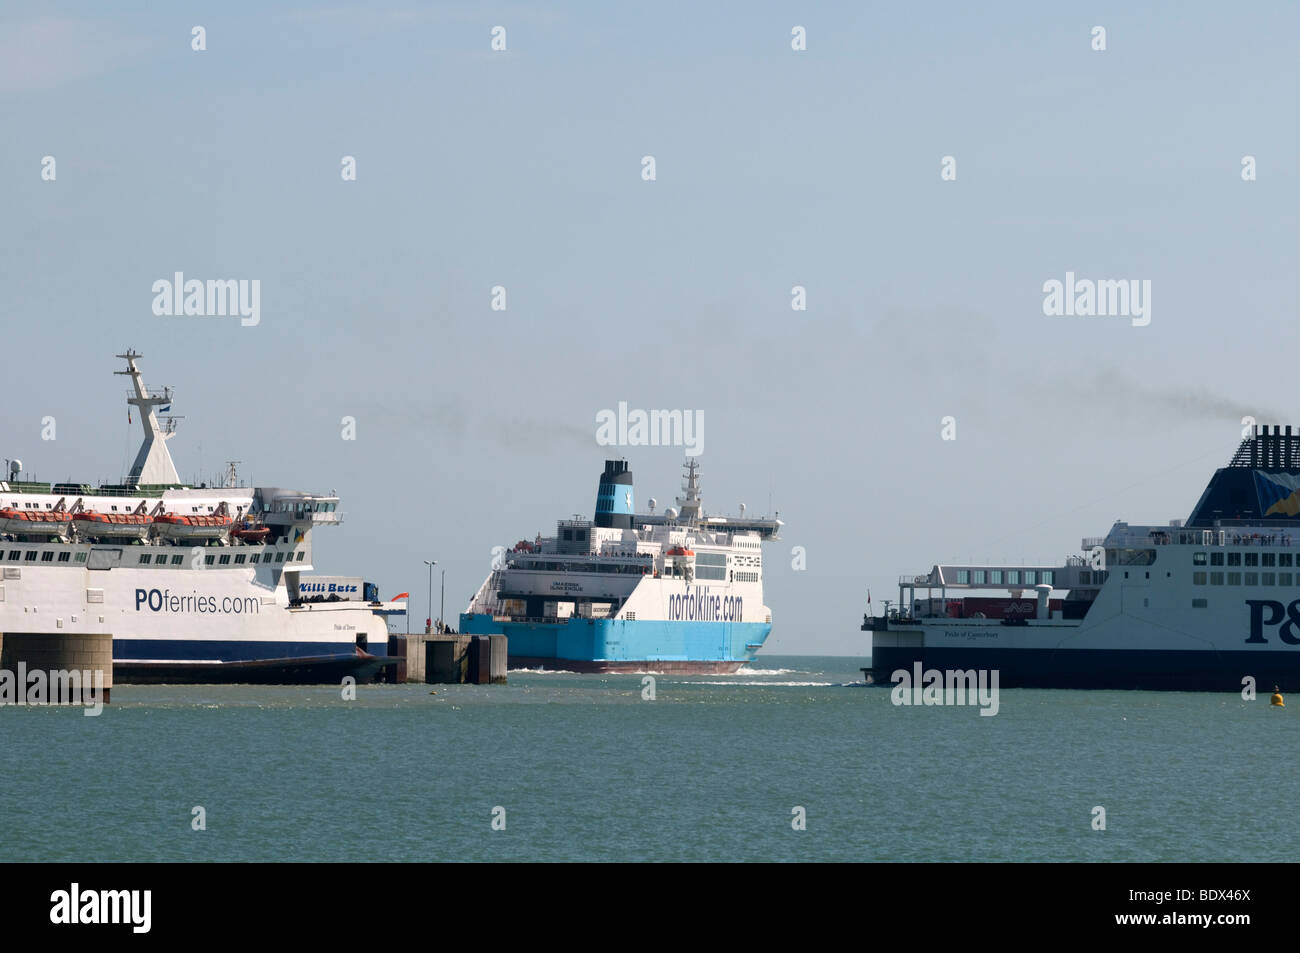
(153, 464)
(689, 506)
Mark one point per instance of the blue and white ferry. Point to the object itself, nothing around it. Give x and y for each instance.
(677, 591)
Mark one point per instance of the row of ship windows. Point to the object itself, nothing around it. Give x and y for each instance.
(1011, 577)
(746, 577)
(224, 559)
(1235, 559)
(146, 559)
(1250, 579)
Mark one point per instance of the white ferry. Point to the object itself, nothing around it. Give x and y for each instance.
(1207, 604)
(195, 584)
(678, 591)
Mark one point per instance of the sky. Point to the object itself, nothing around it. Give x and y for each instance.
(523, 169)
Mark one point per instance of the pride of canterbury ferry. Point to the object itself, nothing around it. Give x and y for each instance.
(195, 584)
(1207, 604)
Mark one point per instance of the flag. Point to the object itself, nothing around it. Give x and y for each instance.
(401, 595)
(868, 597)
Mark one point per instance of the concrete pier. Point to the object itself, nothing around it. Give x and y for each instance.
(60, 652)
(449, 659)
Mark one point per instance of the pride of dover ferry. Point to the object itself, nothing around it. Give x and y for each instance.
(1210, 604)
(678, 591)
(195, 584)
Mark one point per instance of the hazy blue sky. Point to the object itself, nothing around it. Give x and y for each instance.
(775, 168)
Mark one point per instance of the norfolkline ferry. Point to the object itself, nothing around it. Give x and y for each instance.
(678, 591)
(1209, 604)
(195, 584)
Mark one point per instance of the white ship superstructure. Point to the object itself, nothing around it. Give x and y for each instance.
(193, 583)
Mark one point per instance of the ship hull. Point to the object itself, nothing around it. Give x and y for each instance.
(319, 670)
(1123, 669)
(622, 645)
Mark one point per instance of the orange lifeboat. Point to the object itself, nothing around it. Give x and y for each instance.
(680, 551)
(251, 533)
(34, 522)
(208, 526)
(130, 525)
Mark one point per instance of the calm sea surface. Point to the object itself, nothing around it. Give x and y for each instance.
(712, 769)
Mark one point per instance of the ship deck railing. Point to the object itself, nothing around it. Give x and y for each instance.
(1224, 535)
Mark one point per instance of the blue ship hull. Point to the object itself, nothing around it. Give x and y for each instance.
(1188, 671)
(194, 661)
(613, 645)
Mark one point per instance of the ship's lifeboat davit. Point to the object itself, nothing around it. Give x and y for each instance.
(175, 526)
(112, 525)
(34, 522)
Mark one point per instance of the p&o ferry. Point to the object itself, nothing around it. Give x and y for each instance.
(195, 584)
(1211, 603)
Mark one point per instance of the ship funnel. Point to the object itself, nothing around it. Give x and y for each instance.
(614, 496)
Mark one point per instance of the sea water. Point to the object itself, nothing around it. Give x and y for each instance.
(794, 759)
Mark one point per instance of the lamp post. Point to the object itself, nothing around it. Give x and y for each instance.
(442, 604)
(429, 625)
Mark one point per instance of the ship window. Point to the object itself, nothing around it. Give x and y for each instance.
(47, 556)
(81, 557)
(1031, 577)
(1216, 559)
(1284, 579)
(1234, 559)
(15, 555)
(1048, 577)
(1085, 577)
(1252, 559)
(1234, 579)
(979, 577)
(963, 577)
(225, 559)
(995, 576)
(176, 560)
(145, 559)
(31, 556)
(1284, 559)
(1200, 603)
(1216, 579)
(1269, 559)
(1266, 578)
(300, 556)
(1198, 559)
(279, 557)
(240, 559)
(582, 535)
(64, 556)
(1198, 579)
(1013, 577)
(209, 560)
(568, 534)
(1252, 579)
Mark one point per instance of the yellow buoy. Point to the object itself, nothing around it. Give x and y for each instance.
(1277, 700)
